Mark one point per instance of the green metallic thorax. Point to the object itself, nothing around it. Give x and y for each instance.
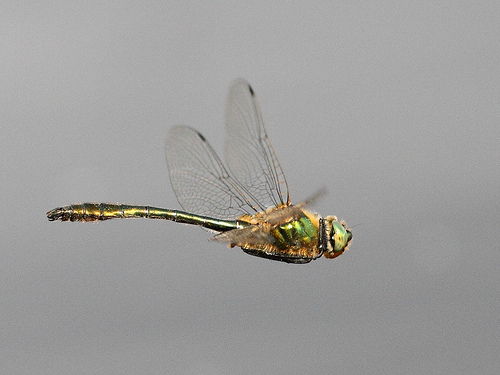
(298, 233)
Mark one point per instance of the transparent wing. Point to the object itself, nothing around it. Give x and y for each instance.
(249, 153)
(199, 179)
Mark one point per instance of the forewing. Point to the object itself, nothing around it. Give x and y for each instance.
(249, 153)
(199, 179)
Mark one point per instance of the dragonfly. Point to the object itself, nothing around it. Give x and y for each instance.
(245, 203)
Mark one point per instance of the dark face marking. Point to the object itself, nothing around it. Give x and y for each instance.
(251, 90)
(332, 240)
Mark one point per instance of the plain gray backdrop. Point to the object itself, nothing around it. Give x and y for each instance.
(394, 107)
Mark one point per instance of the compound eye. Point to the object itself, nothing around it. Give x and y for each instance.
(340, 237)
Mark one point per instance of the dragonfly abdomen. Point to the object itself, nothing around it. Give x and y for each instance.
(104, 211)
(97, 211)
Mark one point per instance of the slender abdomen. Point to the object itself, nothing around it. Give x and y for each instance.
(105, 211)
(99, 211)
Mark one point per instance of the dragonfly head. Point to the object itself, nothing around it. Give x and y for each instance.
(338, 237)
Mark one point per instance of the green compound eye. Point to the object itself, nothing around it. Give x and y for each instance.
(340, 236)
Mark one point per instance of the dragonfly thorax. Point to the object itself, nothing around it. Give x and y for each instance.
(338, 237)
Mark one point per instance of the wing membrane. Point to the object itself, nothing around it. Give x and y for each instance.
(199, 179)
(201, 182)
(249, 153)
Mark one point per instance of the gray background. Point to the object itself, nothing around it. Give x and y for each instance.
(393, 107)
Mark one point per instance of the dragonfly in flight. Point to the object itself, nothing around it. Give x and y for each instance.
(245, 203)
